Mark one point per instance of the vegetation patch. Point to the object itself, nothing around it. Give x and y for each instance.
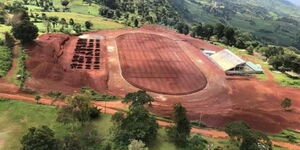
(96, 95)
(284, 80)
(5, 60)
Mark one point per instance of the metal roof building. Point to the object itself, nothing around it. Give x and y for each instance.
(227, 60)
(232, 64)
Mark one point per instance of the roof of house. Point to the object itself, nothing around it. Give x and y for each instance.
(226, 59)
(254, 67)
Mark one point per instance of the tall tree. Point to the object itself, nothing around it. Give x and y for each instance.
(25, 31)
(207, 31)
(88, 24)
(138, 124)
(138, 98)
(65, 3)
(181, 131)
(229, 34)
(39, 139)
(247, 138)
(183, 28)
(219, 30)
(78, 108)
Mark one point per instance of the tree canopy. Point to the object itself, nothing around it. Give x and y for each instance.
(248, 138)
(181, 131)
(25, 31)
(138, 98)
(39, 139)
(286, 103)
(138, 124)
(78, 108)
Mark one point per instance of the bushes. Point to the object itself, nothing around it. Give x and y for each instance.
(5, 60)
(97, 96)
(248, 138)
(21, 72)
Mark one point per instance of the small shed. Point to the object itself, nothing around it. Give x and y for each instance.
(253, 68)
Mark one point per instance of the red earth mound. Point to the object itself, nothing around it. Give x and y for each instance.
(156, 63)
(224, 99)
(49, 65)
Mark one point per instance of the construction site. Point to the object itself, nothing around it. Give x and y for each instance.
(214, 85)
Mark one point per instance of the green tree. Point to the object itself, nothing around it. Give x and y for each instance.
(37, 98)
(219, 30)
(138, 124)
(181, 131)
(286, 104)
(207, 31)
(88, 24)
(137, 145)
(196, 30)
(236, 129)
(112, 4)
(270, 51)
(229, 34)
(138, 98)
(71, 22)
(65, 3)
(136, 23)
(255, 140)
(53, 20)
(77, 27)
(250, 50)
(25, 31)
(39, 139)
(183, 28)
(197, 142)
(248, 139)
(78, 108)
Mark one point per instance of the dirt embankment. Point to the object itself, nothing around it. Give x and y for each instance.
(49, 66)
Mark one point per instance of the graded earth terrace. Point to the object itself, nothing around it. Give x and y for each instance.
(170, 66)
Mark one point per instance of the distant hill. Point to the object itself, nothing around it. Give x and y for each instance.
(270, 21)
(295, 2)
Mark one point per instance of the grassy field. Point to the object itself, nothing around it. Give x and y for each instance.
(287, 136)
(16, 117)
(5, 60)
(99, 22)
(15, 120)
(284, 80)
(79, 11)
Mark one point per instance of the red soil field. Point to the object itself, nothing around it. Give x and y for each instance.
(222, 100)
(156, 63)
